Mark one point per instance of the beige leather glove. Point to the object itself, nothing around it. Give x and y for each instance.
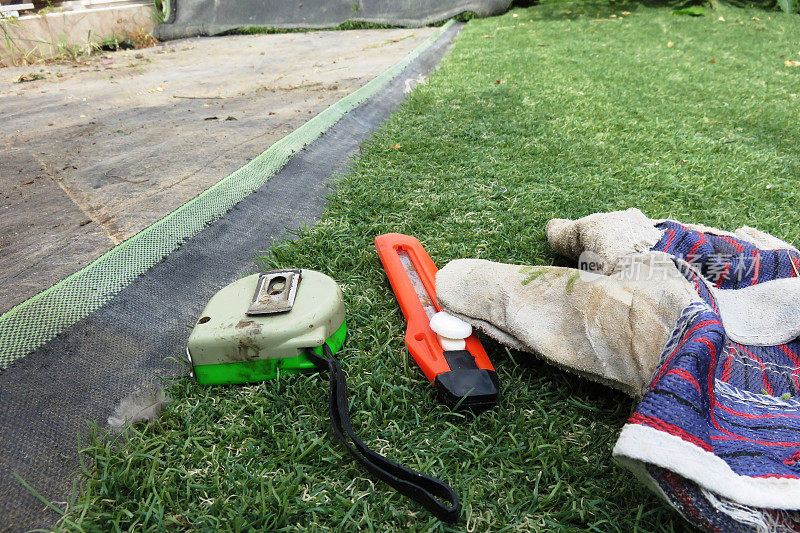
(606, 328)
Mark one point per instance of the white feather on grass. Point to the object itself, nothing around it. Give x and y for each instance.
(143, 404)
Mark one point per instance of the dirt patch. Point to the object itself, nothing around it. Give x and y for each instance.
(113, 143)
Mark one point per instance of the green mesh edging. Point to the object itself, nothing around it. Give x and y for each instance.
(35, 321)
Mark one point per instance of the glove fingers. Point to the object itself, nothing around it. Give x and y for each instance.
(763, 240)
(608, 235)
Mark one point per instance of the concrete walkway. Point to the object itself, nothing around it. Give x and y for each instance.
(100, 149)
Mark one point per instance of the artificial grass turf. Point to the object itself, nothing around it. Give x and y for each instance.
(559, 111)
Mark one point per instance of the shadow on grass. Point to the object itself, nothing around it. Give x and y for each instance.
(571, 10)
(516, 367)
(577, 10)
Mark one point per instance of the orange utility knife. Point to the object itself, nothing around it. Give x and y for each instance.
(463, 378)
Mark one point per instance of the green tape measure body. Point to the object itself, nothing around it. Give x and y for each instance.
(230, 344)
(264, 369)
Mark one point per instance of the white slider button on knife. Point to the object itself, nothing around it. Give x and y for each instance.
(450, 326)
(450, 330)
(449, 345)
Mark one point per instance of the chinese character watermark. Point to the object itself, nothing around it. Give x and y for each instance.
(716, 268)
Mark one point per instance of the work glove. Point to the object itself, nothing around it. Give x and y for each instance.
(611, 321)
(700, 323)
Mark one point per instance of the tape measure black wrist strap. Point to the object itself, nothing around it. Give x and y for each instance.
(426, 490)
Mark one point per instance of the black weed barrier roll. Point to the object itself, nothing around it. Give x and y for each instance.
(187, 18)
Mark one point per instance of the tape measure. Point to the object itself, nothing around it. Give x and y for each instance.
(289, 321)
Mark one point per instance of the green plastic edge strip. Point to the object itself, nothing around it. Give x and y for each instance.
(32, 323)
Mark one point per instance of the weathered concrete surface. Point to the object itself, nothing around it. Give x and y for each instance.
(99, 150)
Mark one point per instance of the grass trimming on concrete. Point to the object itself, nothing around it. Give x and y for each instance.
(558, 110)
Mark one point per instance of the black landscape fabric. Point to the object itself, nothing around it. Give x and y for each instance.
(212, 17)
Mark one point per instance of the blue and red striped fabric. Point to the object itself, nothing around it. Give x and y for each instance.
(740, 403)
